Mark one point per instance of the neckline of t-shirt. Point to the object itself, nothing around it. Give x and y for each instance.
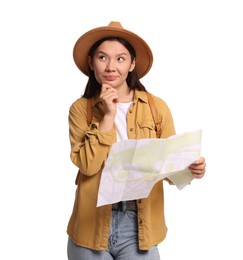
(124, 103)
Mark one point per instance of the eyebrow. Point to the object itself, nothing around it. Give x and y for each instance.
(120, 54)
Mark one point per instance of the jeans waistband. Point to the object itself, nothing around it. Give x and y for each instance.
(125, 205)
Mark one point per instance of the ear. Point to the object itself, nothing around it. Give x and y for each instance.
(90, 63)
(132, 66)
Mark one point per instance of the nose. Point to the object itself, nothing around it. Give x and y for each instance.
(110, 66)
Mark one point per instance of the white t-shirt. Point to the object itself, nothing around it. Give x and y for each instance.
(121, 121)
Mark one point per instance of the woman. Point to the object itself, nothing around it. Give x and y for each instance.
(114, 59)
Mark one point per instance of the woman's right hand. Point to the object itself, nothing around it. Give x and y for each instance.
(109, 99)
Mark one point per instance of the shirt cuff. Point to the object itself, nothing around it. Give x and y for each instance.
(106, 138)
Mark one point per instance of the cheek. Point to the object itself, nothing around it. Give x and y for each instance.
(98, 67)
(124, 68)
(98, 77)
(125, 71)
(98, 74)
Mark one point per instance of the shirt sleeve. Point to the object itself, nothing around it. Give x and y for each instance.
(168, 128)
(165, 117)
(89, 146)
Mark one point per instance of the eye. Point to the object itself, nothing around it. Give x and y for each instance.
(102, 57)
(121, 59)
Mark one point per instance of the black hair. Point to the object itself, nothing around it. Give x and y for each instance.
(93, 86)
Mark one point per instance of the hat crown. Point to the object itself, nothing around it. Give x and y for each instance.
(115, 24)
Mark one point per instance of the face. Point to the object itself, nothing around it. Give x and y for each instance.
(111, 64)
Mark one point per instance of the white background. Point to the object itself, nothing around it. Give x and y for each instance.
(197, 70)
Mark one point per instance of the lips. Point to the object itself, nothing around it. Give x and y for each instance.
(110, 78)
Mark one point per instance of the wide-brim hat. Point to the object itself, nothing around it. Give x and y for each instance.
(144, 56)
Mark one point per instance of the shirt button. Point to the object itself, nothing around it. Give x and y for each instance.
(131, 129)
(130, 111)
(139, 201)
(140, 222)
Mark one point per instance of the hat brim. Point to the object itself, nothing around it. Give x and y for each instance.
(144, 56)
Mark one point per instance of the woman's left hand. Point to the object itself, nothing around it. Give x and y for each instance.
(198, 168)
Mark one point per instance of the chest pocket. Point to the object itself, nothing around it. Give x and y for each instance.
(146, 129)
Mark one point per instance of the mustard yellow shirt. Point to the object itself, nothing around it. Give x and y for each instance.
(89, 225)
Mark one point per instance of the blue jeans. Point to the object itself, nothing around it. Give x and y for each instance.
(123, 242)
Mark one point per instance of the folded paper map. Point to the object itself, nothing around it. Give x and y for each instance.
(134, 166)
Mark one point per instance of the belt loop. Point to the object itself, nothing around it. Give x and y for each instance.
(124, 206)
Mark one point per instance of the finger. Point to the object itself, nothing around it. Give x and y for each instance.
(197, 166)
(104, 87)
(108, 93)
(200, 160)
(197, 171)
(110, 97)
(198, 176)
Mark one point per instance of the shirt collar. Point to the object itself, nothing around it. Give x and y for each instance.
(140, 95)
